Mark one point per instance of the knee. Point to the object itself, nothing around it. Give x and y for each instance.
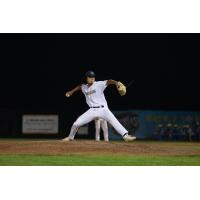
(76, 124)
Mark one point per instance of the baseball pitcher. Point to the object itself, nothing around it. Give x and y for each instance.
(98, 108)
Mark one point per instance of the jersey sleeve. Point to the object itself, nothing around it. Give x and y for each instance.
(102, 84)
(82, 85)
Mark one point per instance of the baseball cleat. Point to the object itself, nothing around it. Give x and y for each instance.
(128, 138)
(67, 139)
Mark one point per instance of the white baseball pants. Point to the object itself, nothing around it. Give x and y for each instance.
(95, 113)
(101, 123)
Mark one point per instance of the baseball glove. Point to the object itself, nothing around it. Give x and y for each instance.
(121, 88)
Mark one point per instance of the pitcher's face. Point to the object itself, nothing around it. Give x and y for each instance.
(90, 81)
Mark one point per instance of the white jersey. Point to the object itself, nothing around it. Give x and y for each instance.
(94, 94)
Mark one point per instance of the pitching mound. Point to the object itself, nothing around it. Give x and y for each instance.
(56, 147)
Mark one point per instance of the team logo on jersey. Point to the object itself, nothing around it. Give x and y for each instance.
(90, 92)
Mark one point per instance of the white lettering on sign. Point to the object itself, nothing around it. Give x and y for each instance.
(44, 124)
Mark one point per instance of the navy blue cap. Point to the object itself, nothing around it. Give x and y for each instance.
(90, 74)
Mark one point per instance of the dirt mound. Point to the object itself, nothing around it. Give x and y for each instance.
(56, 147)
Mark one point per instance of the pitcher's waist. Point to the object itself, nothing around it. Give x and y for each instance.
(102, 106)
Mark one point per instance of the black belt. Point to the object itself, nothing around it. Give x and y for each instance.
(98, 107)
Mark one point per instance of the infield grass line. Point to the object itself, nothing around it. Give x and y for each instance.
(97, 160)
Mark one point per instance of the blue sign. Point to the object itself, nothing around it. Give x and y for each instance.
(143, 123)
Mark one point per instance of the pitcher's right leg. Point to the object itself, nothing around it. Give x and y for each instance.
(82, 120)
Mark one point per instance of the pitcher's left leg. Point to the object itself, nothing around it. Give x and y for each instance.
(109, 117)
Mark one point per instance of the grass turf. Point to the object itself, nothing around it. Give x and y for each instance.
(98, 160)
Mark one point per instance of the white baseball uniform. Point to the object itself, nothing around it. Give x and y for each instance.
(95, 99)
(101, 123)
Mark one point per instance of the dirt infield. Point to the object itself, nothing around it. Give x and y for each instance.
(56, 147)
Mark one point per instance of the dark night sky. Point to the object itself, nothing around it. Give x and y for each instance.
(37, 69)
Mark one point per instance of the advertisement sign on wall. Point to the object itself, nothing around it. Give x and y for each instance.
(143, 123)
(41, 124)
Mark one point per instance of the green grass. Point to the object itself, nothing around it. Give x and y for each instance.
(97, 160)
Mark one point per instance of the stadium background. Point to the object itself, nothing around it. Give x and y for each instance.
(37, 70)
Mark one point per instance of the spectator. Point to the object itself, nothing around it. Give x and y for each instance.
(169, 132)
(160, 132)
(190, 133)
(176, 132)
(197, 131)
(184, 132)
(187, 133)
